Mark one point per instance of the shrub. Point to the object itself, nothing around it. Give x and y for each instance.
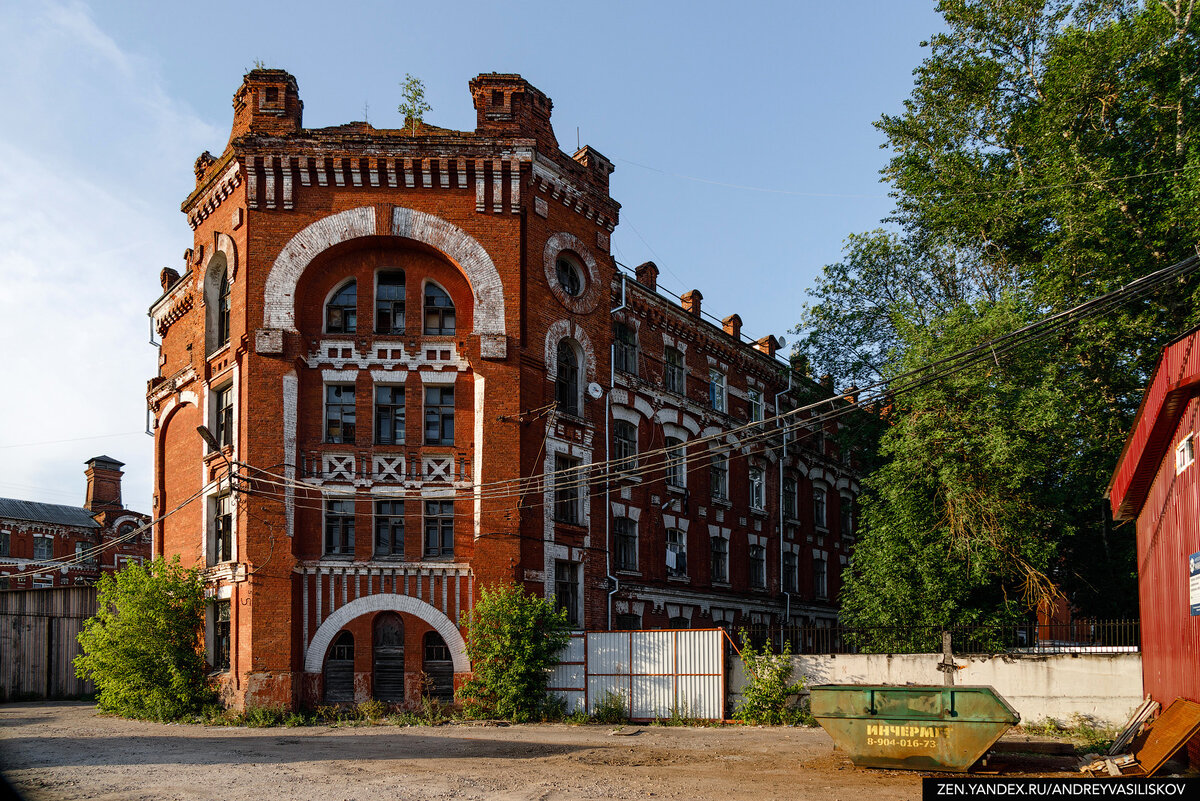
(142, 648)
(513, 641)
(264, 717)
(371, 710)
(768, 686)
(612, 708)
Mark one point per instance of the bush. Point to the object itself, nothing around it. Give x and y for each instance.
(142, 648)
(371, 711)
(513, 641)
(768, 686)
(612, 708)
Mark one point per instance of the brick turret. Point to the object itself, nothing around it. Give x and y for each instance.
(508, 105)
(268, 102)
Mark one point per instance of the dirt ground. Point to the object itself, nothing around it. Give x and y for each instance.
(67, 751)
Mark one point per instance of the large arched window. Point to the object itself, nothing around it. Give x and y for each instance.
(566, 382)
(388, 657)
(341, 313)
(223, 310)
(439, 312)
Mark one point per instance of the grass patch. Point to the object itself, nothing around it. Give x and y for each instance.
(1088, 735)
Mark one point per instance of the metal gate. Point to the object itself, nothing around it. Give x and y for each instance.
(657, 674)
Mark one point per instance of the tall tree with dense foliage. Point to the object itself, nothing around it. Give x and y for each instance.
(1048, 154)
(142, 649)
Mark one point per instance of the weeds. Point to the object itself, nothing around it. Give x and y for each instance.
(612, 708)
(371, 711)
(1088, 735)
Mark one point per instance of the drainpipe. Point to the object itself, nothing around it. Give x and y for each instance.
(612, 377)
(787, 613)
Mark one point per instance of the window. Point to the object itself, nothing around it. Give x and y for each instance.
(789, 497)
(675, 457)
(820, 579)
(566, 589)
(223, 528)
(718, 471)
(223, 400)
(341, 313)
(439, 415)
(1185, 453)
(719, 551)
(819, 519)
(673, 373)
(568, 490)
(43, 548)
(339, 527)
(389, 528)
(627, 622)
(847, 516)
(389, 415)
(389, 303)
(758, 566)
(716, 390)
(223, 310)
(439, 312)
(436, 649)
(676, 552)
(758, 489)
(754, 398)
(566, 383)
(82, 557)
(570, 278)
(220, 644)
(4, 543)
(339, 413)
(439, 528)
(625, 536)
(624, 445)
(679, 622)
(791, 576)
(624, 349)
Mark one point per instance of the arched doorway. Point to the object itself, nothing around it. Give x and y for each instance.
(339, 670)
(389, 657)
(438, 667)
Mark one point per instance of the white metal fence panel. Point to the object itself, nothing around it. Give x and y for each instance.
(657, 674)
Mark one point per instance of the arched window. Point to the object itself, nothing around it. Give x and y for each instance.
(341, 313)
(389, 303)
(566, 383)
(570, 277)
(223, 310)
(625, 445)
(439, 312)
(339, 669)
(438, 666)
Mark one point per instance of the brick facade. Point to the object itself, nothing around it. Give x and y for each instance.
(283, 337)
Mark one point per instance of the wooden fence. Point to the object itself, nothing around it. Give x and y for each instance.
(38, 641)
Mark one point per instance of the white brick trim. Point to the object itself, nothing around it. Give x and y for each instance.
(314, 655)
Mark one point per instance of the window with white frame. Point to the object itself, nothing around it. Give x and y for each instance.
(389, 302)
(676, 462)
(718, 470)
(339, 526)
(439, 415)
(624, 445)
(716, 390)
(439, 528)
(624, 349)
(754, 398)
(223, 415)
(758, 489)
(222, 528)
(389, 414)
(389, 528)
(568, 490)
(341, 313)
(439, 312)
(223, 310)
(820, 575)
(566, 382)
(625, 540)
(676, 552)
(43, 548)
(339, 413)
(1185, 453)
(758, 567)
(673, 370)
(719, 559)
(819, 519)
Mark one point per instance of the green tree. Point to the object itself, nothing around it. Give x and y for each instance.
(142, 648)
(1048, 154)
(513, 641)
(414, 106)
(768, 689)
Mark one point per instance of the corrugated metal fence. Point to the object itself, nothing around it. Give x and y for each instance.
(38, 641)
(657, 674)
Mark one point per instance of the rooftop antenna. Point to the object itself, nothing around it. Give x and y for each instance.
(576, 137)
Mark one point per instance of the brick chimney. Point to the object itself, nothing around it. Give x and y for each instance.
(268, 103)
(508, 105)
(733, 326)
(768, 345)
(103, 484)
(691, 301)
(599, 167)
(647, 275)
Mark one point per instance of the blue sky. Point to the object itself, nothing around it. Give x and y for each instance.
(741, 135)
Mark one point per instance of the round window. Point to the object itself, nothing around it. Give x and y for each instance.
(570, 277)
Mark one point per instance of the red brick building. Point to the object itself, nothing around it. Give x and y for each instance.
(53, 545)
(417, 354)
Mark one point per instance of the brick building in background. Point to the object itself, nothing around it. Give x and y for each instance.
(88, 540)
(416, 352)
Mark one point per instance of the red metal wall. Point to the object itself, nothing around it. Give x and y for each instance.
(1168, 531)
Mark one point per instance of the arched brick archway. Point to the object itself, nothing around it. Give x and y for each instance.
(279, 296)
(384, 602)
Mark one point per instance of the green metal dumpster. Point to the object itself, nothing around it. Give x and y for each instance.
(912, 727)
